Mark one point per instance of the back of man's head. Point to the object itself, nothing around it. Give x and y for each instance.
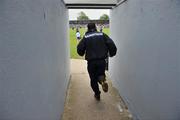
(91, 27)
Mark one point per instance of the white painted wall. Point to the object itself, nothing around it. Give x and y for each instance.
(34, 59)
(146, 70)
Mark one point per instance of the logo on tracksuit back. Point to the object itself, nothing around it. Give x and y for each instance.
(93, 34)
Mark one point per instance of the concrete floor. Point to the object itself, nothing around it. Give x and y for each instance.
(80, 102)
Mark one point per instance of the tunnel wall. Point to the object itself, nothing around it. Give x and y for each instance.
(34, 59)
(146, 69)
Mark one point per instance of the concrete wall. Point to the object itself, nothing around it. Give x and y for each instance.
(146, 70)
(34, 59)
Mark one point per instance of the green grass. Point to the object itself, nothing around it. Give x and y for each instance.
(74, 42)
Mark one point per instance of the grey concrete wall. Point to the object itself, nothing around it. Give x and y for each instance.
(34, 59)
(146, 70)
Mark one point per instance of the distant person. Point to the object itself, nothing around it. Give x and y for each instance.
(101, 28)
(78, 35)
(96, 46)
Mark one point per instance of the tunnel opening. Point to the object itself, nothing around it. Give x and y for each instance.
(91, 7)
(78, 20)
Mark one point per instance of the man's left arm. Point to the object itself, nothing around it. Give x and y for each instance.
(81, 47)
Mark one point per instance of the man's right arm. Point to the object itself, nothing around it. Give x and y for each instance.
(81, 47)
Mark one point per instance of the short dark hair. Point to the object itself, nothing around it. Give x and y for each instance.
(91, 26)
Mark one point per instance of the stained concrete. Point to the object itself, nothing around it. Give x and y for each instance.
(146, 69)
(34, 59)
(81, 104)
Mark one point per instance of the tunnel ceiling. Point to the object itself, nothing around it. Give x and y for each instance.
(90, 4)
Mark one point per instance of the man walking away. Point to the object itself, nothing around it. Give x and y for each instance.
(96, 46)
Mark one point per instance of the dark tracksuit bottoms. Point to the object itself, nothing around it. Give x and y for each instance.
(96, 68)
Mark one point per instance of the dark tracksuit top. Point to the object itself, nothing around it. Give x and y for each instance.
(96, 46)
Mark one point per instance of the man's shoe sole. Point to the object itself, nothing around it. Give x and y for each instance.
(105, 86)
